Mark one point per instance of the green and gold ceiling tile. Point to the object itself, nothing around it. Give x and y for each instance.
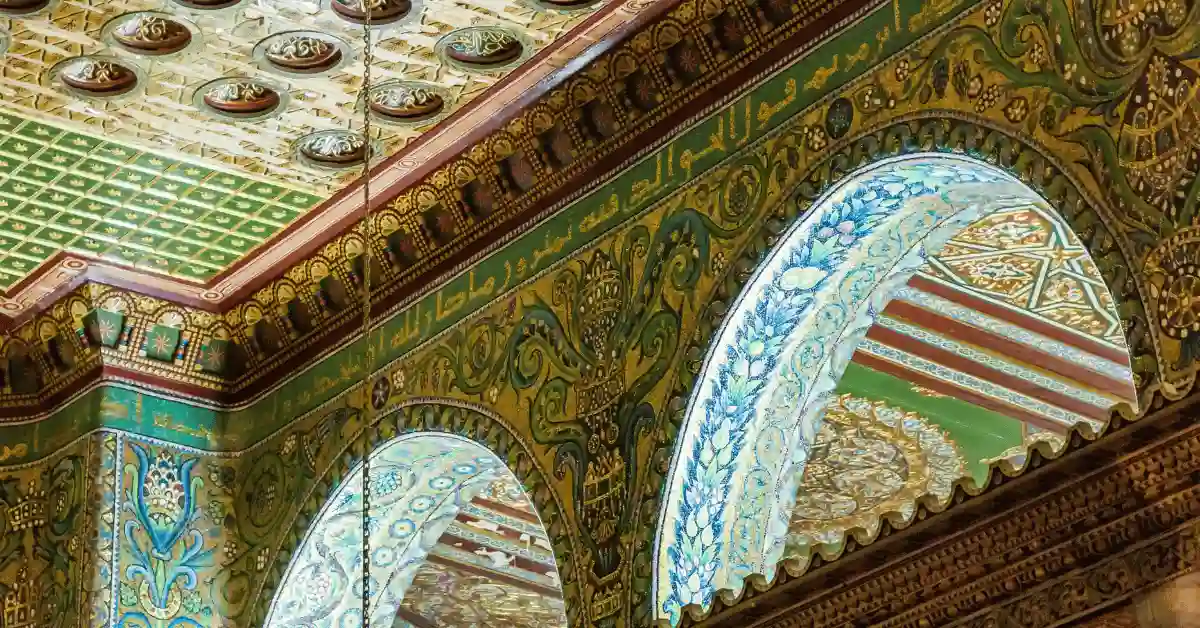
(279, 215)
(35, 172)
(71, 221)
(77, 143)
(157, 263)
(7, 243)
(182, 248)
(170, 188)
(153, 163)
(116, 152)
(33, 212)
(147, 239)
(115, 194)
(34, 250)
(55, 238)
(206, 197)
(189, 172)
(17, 227)
(8, 122)
(200, 234)
(93, 207)
(20, 147)
(110, 231)
(56, 158)
(97, 168)
(227, 182)
(264, 191)
(17, 265)
(149, 203)
(57, 197)
(216, 257)
(257, 230)
(91, 245)
(7, 280)
(36, 131)
(300, 200)
(243, 205)
(220, 220)
(135, 177)
(236, 242)
(166, 224)
(17, 189)
(77, 183)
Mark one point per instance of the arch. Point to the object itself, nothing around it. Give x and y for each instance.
(420, 483)
(780, 353)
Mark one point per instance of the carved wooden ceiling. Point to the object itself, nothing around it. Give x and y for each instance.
(178, 137)
(1012, 316)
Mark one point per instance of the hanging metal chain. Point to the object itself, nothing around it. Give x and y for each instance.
(369, 357)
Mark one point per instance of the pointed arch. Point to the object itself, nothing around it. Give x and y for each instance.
(780, 353)
(426, 477)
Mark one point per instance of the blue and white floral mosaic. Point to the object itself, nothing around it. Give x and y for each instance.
(782, 350)
(419, 483)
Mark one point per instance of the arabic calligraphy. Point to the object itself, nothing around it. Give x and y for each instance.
(821, 75)
(766, 112)
(716, 142)
(605, 211)
(165, 421)
(863, 52)
(20, 450)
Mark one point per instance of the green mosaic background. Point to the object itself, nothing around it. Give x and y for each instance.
(61, 190)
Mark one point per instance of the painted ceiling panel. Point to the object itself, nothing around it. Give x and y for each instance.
(67, 191)
(167, 107)
(492, 567)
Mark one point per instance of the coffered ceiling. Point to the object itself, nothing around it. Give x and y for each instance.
(178, 137)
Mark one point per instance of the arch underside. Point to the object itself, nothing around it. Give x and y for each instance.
(448, 523)
(756, 415)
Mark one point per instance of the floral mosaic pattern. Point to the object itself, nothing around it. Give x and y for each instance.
(419, 483)
(748, 430)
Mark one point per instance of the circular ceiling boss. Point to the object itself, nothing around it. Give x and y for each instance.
(240, 98)
(483, 48)
(407, 102)
(23, 7)
(381, 11)
(333, 149)
(302, 52)
(151, 33)
(96, 76)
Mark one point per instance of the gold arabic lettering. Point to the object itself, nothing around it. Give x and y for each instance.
(766, 112)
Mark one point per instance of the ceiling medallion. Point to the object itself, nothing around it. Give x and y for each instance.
(301, 52)
(97, 76)
(382, 11)
(151, 34)
(333, 149)
(22, 7)
(207, 5)
(406, 102)
(482, 47)
(241, 98)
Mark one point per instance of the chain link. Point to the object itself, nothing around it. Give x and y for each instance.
(368, 240)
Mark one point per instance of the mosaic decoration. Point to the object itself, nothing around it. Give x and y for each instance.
(758, 407)
(868, 460)
(190, 44)
(66, 191)
(592, 398)
(1026, 258)
(418, 485)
